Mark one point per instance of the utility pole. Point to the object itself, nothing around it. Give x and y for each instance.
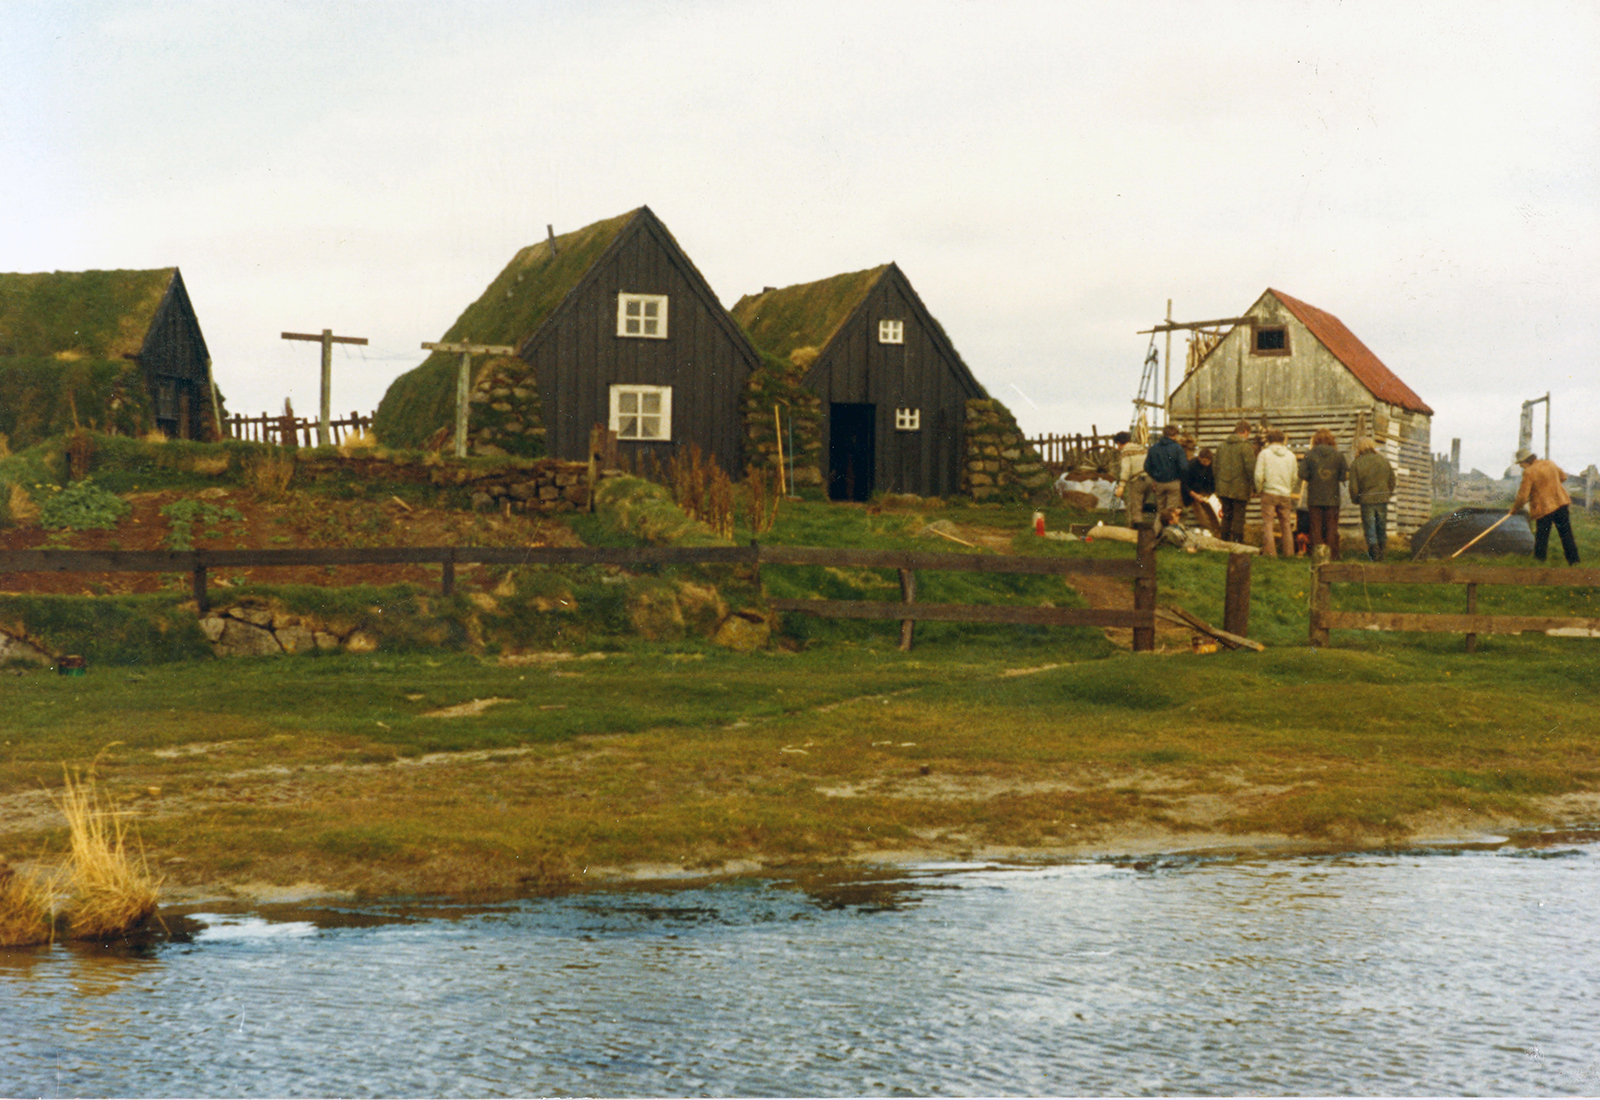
(464, 380)
(327, 340)
(1166, 395)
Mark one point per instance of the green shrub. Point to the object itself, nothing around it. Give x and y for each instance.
(80, 506)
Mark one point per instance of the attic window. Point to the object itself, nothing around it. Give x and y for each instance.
(641, 412)
(1269, 340)
(643, 315)
(907, 420)
(891, 332)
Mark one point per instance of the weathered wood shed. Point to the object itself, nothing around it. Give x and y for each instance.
(113, 351)
(893, 387)
(613, 325)
(1296, 367)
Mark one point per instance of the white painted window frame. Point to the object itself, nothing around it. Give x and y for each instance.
(640, 318)
(907, 420)
(891, 332)
(621, 417)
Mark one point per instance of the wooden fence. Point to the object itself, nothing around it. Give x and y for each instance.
(291, 431)
(1471, 623)
(1065, 452)
(1141, 571)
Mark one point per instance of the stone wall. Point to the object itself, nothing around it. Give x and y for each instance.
(1000, 465)
(545, 485)
(777, 382)
(260, 628)
(507, 416)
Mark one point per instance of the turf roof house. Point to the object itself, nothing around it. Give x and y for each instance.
(1296, 367)
(894, 390)
(114, 351)
(613, 325)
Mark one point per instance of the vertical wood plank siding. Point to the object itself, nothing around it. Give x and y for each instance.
(577, 356)
(174, 349)
(856, 369)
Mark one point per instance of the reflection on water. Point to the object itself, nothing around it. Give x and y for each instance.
(1407, 972)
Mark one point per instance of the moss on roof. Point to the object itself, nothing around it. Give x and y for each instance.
(514, 306)
(804, 316)
(42, 396)
(79, 314)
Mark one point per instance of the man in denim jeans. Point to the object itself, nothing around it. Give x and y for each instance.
(1372, 483)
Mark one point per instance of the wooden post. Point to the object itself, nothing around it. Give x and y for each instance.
(327, 339)
(464, 380)
(908, 595)
(1321, 605)
(777, 428)
(1472, 609)
(202, 605)
(1236, 596)
(1144, 591)
(447, 575)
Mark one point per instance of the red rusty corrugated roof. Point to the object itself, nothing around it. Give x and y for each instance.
(1355, 355)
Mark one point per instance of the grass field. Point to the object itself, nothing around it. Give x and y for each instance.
(343, 771)
(566, 748)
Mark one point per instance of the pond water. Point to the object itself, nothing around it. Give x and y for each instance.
(1467, 971)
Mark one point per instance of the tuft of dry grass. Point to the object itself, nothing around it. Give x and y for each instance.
(27, 909)
(155, 435)
(363, 440)
(269, 472)
(24, 511)
(113, 891)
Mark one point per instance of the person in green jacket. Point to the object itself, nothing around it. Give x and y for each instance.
(1322, 469)
(1372, 483)
(1234, 467)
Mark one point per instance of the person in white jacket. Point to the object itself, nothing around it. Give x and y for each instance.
(1278, 479)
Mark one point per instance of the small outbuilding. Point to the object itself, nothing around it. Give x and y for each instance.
(112, 351)
(894, 390)
(1296, 367)
(614, 326)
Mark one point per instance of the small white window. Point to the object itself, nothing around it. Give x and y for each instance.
(641, 412)
(891, 332)
(907, 420)
(642, 315)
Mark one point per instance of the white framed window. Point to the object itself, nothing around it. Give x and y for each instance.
(891, 332)
(643, 315)
(907, 420)
(641, 412)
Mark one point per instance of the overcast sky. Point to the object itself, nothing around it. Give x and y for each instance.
(1046, 174)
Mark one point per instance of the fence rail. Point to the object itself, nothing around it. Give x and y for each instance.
(292, 431)
(1140, 571)
(1470, 623)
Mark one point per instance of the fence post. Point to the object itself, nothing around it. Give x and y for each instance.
(1144, 591)
(1321, 605)
(1472, 609)
(1236, 596)
(908, 595)
(202, 605)
(447, 575)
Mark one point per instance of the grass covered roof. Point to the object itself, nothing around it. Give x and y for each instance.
(73, 315)
(806, 315)
(519, 300)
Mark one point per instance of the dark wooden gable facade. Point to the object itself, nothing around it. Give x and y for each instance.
(699, 359)
(893, 387)
(564, 304)
(115, 351)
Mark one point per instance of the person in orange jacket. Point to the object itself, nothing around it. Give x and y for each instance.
(1548, 503)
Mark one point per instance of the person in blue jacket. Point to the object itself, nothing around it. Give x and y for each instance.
(1166, 464)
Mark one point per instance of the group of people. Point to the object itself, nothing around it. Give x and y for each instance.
(1177, 476)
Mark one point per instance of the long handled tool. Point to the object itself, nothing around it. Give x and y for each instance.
(1480, 535)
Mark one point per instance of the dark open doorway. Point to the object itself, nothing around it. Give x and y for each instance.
(852, 432)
